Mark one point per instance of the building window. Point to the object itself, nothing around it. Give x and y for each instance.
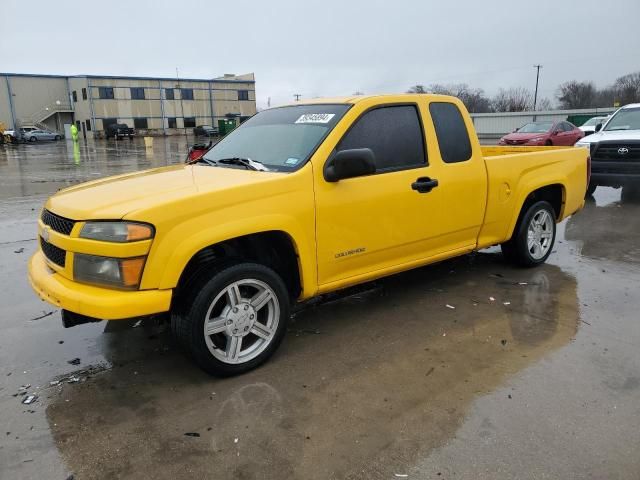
(84, 93)
(140, 123)
(78, 124)
(74, 94)
(137, 93)
(243, 94)
(187, 93)
(189, 122)
(105, 93)
(168, 94)
(172, 121)
(88, 123)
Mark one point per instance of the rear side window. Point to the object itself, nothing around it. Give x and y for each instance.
(393, 133)
(453, 138)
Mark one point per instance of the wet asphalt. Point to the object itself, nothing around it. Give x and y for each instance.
(533, 374)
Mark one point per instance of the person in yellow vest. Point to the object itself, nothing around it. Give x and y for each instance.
(74, 132)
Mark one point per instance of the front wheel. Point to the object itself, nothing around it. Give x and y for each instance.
(234, 319)
(591, 189)
(534, 235)
(33, 139)
(58, 137)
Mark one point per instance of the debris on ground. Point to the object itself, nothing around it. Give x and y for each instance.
(29, 399)
(75, 361)
(20, 250)
(235, 440)
(450, 306)
(503, 342)
(44, 315)
(506, 303)
(54, 383)
(73, 379)
(523, 283)
(509, 396)
(429, 372)
(192, 434)
(491, 299)
(401, 475)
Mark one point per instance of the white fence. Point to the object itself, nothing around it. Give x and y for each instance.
(495, 125)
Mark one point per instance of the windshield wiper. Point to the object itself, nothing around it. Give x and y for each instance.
(206, 160)
(245, 162)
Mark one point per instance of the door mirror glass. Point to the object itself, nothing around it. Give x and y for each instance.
(355, 162)
(598, 127)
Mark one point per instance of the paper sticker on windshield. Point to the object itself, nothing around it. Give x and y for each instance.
(291, 161)
(315, 118)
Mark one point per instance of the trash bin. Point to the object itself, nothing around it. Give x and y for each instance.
(226, 125)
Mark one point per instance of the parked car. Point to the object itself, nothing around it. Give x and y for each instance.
(39, 135)
(119, 130)
(615, 150)
(589, 126)
(547, 133)
(205, 131)
(297, 201)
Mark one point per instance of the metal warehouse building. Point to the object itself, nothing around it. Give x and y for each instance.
(153, 106)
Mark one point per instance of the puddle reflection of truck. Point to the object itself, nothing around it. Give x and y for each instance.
(297, 201)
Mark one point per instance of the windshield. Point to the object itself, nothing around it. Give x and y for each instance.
(625, 119)
(281, 138)
(536, 127)
(593, 121)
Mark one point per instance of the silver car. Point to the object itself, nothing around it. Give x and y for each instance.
(37, 135)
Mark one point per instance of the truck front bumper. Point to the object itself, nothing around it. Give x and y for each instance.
(91, 301)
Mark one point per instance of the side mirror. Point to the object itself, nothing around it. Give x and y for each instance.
(515, 130)
(598, 127)
(356, 162)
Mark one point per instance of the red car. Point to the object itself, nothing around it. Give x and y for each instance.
(544, 133)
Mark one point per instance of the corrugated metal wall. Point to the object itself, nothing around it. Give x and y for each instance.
(495, 125)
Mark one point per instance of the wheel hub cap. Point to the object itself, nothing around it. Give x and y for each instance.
(240, 320)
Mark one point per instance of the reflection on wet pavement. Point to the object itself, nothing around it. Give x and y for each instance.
(376, 387)
(610, 231)
(532, 374)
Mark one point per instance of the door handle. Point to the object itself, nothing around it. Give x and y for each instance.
(424, 185)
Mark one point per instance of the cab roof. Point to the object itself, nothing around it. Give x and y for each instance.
(353, 99)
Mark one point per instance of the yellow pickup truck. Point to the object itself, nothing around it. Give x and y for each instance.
(298, 201)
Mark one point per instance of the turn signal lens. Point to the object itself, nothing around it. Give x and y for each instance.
(117, 231)
(131, 271)
(113, 272)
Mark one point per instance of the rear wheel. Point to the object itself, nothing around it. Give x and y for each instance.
(534, 235)
(591, 189)
(233, 318)
(548, 143)
(33, 139)
(58, 137)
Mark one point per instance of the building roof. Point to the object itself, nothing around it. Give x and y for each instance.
(226, 79)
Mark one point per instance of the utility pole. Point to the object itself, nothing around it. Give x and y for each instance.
(535, 95)
(181, 104)
(297, 96)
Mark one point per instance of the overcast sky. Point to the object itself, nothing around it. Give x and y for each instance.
(327, 47)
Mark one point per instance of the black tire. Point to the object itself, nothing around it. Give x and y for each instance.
(201, 290)
(58, 137)
(548, 143)
(516, 249)
(33, 139)
(591, 189)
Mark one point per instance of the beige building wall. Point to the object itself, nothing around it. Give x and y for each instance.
(212, 100)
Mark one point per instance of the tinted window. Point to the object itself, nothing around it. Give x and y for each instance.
(75, 96)
(243, 95)
(88, 123)
(137, 93)
(187, 93)
(168, 93)
(393, 133)
(105, 93)
(189, 122)
(453, 138)
(140, 122)
(172, 121)
(567, 127)
(84, 93)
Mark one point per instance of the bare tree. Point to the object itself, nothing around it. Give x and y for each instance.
(627, 88)
(605, 97)
(473, 98)
(417, 89)
(574, 94)
(544, 104)
(515, 99)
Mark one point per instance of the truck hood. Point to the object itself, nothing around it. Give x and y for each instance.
(620, 135)
(115, 197)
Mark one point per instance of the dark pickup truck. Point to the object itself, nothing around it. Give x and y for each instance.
(119, 130)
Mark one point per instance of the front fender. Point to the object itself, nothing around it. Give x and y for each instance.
(174, 251)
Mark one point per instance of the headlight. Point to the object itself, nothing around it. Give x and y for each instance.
(115, 272)
(583, 145)
(535, 140)
(116, 231)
